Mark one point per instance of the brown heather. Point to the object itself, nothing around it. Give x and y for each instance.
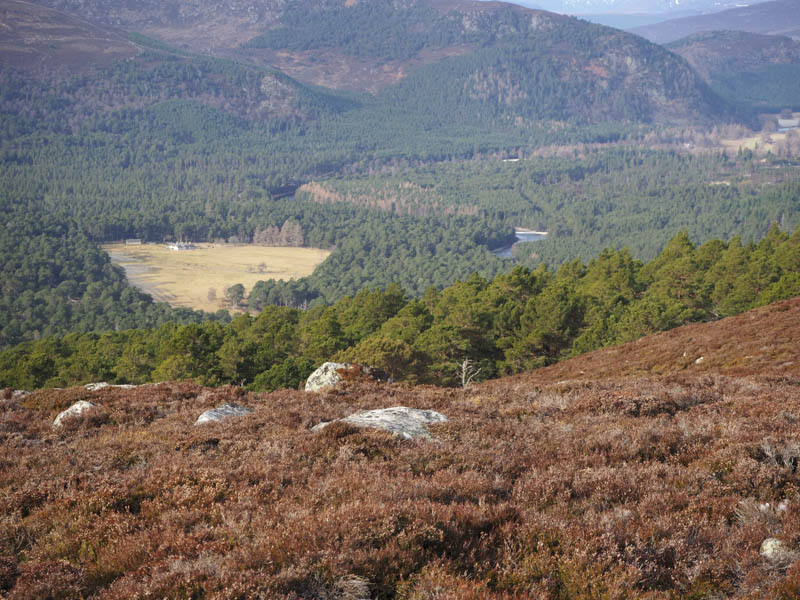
(646, 476)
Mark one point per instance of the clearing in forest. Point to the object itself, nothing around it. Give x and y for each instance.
(198, 278)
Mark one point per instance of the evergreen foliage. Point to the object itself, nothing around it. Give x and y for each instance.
(515, 322)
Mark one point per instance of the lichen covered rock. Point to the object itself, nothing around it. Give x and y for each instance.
(330, 374)
(93, 387)
(775, 550)
(227, 411)
(76, 410)
(408, 423)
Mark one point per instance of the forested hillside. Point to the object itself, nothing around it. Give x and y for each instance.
(748, 69)
(55, 280)
(512, 323)
(622, 198)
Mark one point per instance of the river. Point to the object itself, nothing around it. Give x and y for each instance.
(522, 235)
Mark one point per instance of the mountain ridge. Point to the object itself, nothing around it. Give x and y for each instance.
(496, 59)
(776, 17)
(759, 342)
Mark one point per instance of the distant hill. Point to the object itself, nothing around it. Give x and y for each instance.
(777, 17)
(664, 8)
(747, 68)
(714, 53)
(562, 69)
(457, 62)
(36, 37)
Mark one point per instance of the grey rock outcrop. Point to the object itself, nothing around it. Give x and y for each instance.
(76, 410)
(330, 374)
(227, 411)
(408, 423)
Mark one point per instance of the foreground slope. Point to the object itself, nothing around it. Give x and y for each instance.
(642, 485)
(760, 342)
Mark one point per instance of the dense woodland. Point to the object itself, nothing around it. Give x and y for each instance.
(620, 197)
(512, 323)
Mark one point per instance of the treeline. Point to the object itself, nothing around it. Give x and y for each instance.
(514, 322)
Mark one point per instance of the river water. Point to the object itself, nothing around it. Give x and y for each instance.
(522, 235)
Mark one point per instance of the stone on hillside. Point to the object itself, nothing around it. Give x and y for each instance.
(92, 387)
(76, 410)
(215, 415)
(774, 549)
(12, 394)
(330, 374)
(408, 423)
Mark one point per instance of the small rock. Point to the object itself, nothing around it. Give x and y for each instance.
(330, 374)
(92, 387)
(12, 394)
(773, 549)
(699, 360)
(623, 514)
(215, 415)
(408, 423)
(76, 410)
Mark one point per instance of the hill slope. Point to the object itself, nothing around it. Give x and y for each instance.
(662, 8)
(488, 59)
(654, 486)
(759, 342)
(746, 68)
(777, 17)
(36, 37)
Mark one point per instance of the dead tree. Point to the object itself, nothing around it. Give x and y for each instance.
(468, 372)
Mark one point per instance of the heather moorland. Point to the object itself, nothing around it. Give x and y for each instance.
(625, 473)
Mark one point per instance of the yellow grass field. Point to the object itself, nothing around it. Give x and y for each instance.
(755, 142)
(185, 277)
